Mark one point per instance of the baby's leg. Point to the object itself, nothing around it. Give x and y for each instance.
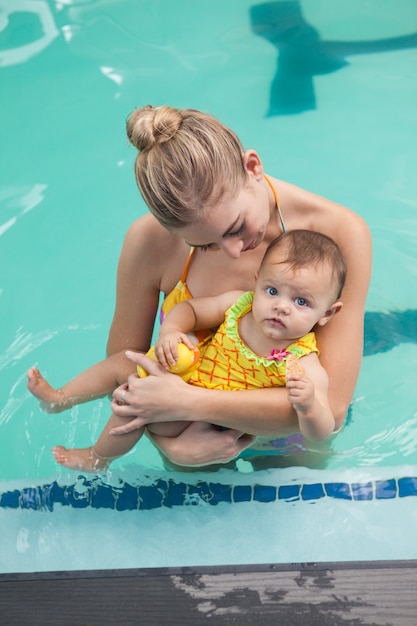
(98, 457)
(51, 399)
(196, 445)
(95, 382)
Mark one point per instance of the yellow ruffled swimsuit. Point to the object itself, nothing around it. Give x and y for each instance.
(227, 363)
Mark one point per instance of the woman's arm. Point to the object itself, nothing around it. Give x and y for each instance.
(341, 340)
(151, 261)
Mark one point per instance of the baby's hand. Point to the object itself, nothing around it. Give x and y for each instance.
(300, 388)
(300, 392)
(166, 347)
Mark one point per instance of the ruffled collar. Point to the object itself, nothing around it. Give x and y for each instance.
(277, 357)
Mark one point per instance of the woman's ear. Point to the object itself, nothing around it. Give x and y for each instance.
(335, 308)
(253, 164)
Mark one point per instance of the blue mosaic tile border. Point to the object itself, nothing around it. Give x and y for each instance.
(168, 493)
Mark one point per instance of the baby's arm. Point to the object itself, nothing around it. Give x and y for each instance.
(307, 392)
(195, 314)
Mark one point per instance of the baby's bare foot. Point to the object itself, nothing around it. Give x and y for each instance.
(50, 399)
(84, 459)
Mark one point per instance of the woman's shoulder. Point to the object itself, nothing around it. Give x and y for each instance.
(306, 209)
(145, 226)
(148, 245)
(146, 233)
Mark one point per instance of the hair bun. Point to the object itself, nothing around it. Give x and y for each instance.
(150, 125)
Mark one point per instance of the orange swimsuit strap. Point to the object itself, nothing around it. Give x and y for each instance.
(276, 202)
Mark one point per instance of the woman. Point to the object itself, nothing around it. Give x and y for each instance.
(209, 196)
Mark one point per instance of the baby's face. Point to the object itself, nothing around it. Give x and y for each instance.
(288, 304)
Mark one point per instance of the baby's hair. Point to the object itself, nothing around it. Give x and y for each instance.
(303, 248)
(187, 162)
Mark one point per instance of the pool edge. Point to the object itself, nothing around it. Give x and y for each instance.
(199, 570)
(381, 593)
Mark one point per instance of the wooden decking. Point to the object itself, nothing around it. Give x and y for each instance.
(323, 594)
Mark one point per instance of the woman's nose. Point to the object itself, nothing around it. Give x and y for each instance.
(232, 247)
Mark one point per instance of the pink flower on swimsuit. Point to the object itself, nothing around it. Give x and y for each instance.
(278, 355)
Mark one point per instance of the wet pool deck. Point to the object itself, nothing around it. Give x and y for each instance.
(381, 593)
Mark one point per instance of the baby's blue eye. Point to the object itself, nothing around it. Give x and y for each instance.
(301, 301)
(271, 291)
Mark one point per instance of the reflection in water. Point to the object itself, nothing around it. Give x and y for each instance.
(302, 54)
(19, 17)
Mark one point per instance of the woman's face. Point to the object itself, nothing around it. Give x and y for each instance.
(233, 225)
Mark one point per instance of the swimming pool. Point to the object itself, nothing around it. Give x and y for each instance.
(332, 110)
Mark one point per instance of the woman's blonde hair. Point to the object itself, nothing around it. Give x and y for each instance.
(187, 162)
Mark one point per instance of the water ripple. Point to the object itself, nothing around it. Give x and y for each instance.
(23, 344)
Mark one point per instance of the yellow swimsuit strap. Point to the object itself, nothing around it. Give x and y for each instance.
(276, 202)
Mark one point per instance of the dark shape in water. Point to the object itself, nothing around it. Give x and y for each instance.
(384, 331)
(302, 54)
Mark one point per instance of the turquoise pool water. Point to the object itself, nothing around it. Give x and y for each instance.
(327, 94)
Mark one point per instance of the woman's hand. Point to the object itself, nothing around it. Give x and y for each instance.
(149, 399)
